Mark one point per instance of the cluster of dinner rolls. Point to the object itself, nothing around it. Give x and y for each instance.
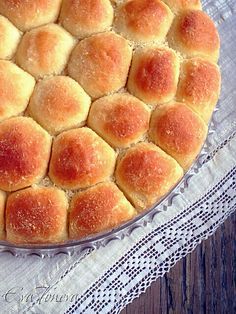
(104, 104)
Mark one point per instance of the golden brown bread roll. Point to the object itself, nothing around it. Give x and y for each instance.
(27, 14)
(9, 38)
(181, 5)
(199, 86)
(59, 103)
(154, 75)
(146, 173)
(193, 33)
(45, 50)
(178, 131)
(24, 153)
(144, 20)
(121, 119)
(16, 87)
(83, 18)
(80, 158)
(37, 215)
(97, 209)
(2, 214)
(100, 63)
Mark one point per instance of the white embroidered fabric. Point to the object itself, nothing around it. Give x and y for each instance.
(108, 275)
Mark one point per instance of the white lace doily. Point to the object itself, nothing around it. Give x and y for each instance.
(107, 279)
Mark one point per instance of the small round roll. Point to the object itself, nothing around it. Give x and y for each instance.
(29, 14)
(199, 86)
(98, 209)
(146, 173)
(83, 18)
(37, 215)
(59, 103)
(121, 119)
(144, 20)
(9, 38)
(178, 131)
(24, 153)
(182, 5)
(45, 50)
(16, 87)
(80, 158)
(2, 214)
(100, 63)
(154, 75)
(193, 33)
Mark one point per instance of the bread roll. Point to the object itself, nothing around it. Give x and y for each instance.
(121, 119)
(154, 75)
(178, 131)
(45, 50)
(9, 38)
(16, 87)
(83, 18)
(144, 20)
(193, 33)
(199, 86)
(100, 63)
(24, 153)
(37, 215)
(59, 103)
(2, 214)
(97, 209)
(146, 173)
(182, 5)
(27, 14)
(80, 158)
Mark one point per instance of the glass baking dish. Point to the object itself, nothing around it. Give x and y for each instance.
(101, 239)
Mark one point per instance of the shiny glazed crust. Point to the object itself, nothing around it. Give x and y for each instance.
(103, 107)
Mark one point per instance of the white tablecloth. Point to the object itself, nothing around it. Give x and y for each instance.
(107, 279)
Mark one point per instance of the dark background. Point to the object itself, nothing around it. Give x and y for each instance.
(203, 282)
